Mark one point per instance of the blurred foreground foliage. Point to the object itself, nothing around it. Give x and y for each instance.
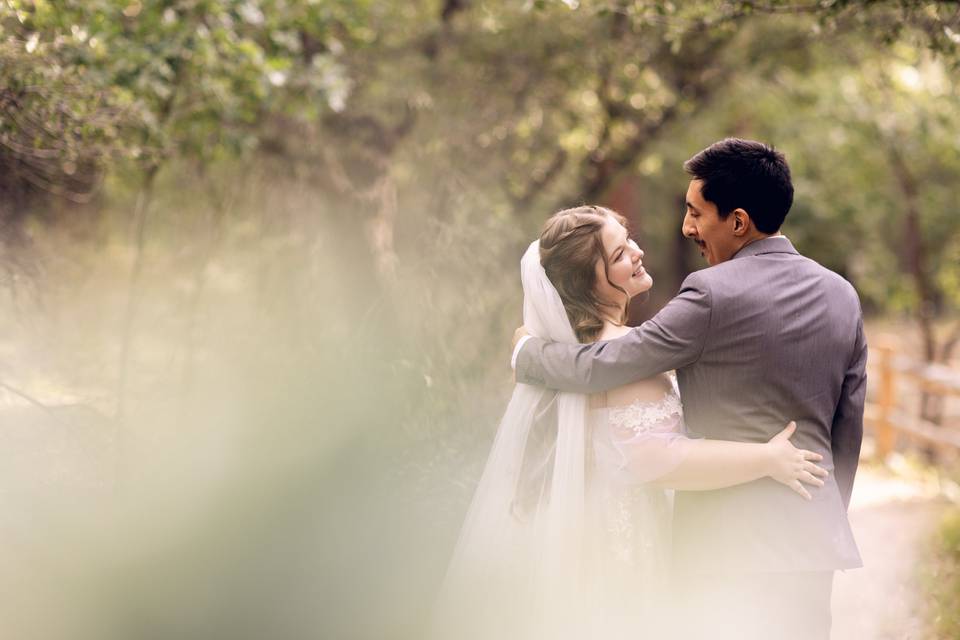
(275, 242)
(944, 582)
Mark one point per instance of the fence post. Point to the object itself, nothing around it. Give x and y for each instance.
(886, 401)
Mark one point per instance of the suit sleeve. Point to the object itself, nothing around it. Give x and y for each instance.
(672, 339)
(847, 430)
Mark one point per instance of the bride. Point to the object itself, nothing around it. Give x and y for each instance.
(568, 533)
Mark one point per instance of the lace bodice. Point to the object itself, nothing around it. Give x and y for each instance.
(640, 441)
(641, 416)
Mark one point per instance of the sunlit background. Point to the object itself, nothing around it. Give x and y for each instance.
(259, 276)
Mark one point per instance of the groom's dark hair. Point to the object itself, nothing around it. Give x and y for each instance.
(747, 175)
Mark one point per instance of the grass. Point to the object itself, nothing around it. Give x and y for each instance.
(943, 579)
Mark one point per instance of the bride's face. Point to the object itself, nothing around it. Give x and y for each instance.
(626, 265)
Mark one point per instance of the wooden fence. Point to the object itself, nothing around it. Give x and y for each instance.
(895, 382)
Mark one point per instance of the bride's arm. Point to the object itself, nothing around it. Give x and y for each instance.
(715, 464)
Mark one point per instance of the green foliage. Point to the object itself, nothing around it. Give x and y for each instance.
(56, 131)
(943, 583)
(198, 75)
(343, 190)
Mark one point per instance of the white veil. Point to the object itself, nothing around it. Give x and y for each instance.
(517, 572)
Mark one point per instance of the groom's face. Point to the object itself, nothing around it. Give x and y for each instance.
(702, 224)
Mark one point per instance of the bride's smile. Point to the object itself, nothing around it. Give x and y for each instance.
(625, 272)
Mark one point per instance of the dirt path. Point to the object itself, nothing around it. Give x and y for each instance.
(893, 518)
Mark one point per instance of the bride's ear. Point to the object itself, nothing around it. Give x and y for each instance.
(741, 222)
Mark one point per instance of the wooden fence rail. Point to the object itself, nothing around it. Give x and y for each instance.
(894, 378)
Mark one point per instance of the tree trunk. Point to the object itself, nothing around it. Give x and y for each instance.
(141, 211)
(915, 256)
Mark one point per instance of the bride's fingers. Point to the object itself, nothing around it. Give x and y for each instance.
(796, 486)
(786, 433)
(809, 478)
(810, 455)
(815, 470)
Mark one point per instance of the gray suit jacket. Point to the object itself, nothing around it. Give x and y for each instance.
(764, 338)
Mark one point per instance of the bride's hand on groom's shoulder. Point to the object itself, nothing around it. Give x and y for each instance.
(792, 466)
(517, 335)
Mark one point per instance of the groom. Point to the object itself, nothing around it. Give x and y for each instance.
(761, 337)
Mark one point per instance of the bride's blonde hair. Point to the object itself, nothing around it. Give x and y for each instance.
(570, 245)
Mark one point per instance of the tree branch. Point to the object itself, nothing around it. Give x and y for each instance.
(915, 250)
(539, 182)
(953, 339)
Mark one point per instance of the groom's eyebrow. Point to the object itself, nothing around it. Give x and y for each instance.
(690, 206)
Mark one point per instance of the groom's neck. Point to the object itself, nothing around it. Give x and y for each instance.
(755, 236)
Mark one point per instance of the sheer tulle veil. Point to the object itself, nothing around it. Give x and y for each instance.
(519, 574)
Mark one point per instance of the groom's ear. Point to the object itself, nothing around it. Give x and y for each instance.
(741, 222)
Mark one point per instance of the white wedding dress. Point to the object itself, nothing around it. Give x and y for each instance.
(567, 535)
(632, 446)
